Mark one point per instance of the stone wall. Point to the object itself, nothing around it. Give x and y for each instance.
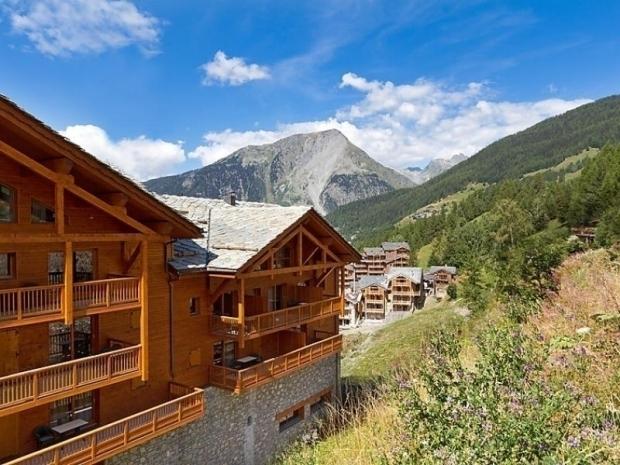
(239, 429)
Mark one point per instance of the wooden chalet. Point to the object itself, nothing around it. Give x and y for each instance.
(267, 281)
(374, 291)
(83, 303)
(438, 278)
(406, 288)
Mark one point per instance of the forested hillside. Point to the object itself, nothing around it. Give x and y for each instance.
(542, 146)
(532, 374)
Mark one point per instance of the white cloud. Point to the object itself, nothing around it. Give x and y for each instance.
(141, 158)
(402, 125)
(66, 27)
(233, 71)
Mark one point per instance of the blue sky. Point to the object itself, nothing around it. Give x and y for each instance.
(159, 87)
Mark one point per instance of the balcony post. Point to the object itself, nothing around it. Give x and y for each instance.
(241, 312)
(68, 290)
(144, 311)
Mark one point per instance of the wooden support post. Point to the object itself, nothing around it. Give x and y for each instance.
(300, 259)
(60, 209)
(144, 312)
(241, 309)
(342, 290)
(68, 289)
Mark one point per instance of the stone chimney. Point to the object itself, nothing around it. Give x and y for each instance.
(232, 198)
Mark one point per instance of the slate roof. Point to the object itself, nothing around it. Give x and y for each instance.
(367, 281)
(411, 273)
(373, 251)
(391, 246)
(435, 269)
(235, 234)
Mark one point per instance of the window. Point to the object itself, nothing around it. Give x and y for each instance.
(223, 306)
(72, 408)
(275, 297)
(7, 204)
(40, 213)
(290, 418)
(7, 265)
(194, 306)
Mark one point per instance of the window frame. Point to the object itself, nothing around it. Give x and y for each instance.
(45, 208)
(194, 306)
(12, 205)
(12, 266)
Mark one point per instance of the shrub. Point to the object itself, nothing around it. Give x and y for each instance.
(501, 411)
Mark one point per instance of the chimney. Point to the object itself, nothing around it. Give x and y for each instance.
(232, 198)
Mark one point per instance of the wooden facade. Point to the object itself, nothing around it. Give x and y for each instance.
(97, 330)
(83, 258)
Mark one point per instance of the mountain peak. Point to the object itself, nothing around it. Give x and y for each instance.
(323, 169)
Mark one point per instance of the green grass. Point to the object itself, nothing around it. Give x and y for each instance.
(568, 162)
(397, 344)
(435, 207)
(424, 255)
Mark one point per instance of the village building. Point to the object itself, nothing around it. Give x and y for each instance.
(406, 288)
(137, 329)
(438, 278)
(374, 290)
(377, 261)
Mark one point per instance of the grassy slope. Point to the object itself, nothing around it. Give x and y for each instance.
(370, 356)
(542, 146)
(424, 255)
(589, 361)
(567, 163)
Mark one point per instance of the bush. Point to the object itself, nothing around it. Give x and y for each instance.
(501, 411)
(451, 291)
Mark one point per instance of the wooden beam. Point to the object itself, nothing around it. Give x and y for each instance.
(59, 212)
(116, 199)
(60, 165)
(67, 182)
(25, 238)
(68, 289)
(324, 276)
(318, 242)
(241, 313)
(224, 287)
(130, 262)
(160, 227)
(300, 258)
(144, 313)
(294, 269)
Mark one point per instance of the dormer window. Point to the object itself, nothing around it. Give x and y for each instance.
(7, 204)
(41, 213)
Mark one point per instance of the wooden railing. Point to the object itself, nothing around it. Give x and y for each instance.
(27, 389)
(109, 440)
(30, 302)
(39, 304)
(106, 293)
(265, 323)
(241, 380)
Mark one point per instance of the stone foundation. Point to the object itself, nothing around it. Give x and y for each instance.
(240, 429)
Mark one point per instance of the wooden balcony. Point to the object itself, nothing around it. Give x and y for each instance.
(40, 304)
(110, 440)
(28, 389)
(265, 372)
(270, 322)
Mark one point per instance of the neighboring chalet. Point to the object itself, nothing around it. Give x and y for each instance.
(124, 317)
(374, 290)
(438, 278)
(406, 288)
(377, 261)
